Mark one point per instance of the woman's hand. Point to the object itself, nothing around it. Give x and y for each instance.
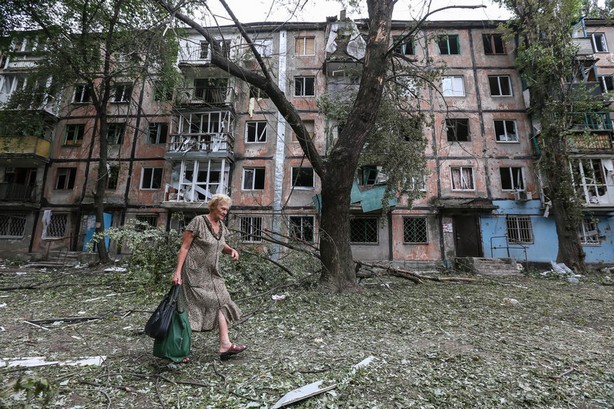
(177, 279)
(234, 254)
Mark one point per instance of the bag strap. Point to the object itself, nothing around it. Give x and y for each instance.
(180, 299)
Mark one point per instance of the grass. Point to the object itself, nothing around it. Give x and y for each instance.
(435, 345)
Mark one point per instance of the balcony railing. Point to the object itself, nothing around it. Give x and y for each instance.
(14, 192)
(206, 143)
(595, 121)
(190, 192)
(211, 96)
(585, 46)
(25, 145)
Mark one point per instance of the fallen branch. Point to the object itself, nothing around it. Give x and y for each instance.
(402, 273)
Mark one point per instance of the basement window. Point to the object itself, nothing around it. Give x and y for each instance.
(589, 232)
(519, 229)
(251, 229)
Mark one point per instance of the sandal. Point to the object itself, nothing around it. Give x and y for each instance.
(233, 350)
(185, 360)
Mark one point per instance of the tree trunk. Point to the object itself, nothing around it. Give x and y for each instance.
(101, 184)
(570, 249)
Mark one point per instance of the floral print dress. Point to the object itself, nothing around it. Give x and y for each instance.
(203, 285)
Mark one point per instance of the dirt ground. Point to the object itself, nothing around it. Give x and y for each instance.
(508, 342)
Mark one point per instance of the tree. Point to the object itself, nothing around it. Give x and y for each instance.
(99, 44)
(546, 58)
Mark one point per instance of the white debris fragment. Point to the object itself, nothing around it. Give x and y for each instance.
(510, 301)
(34, 361)
(278, 297)
(115, 269)
(3, 305)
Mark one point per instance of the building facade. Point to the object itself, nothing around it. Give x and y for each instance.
(169, 152)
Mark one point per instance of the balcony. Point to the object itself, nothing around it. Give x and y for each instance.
(585, 46)
(215, 96)
(199, 145)
(14, 192)
(25, 147)
(594, 121)
(193, 182)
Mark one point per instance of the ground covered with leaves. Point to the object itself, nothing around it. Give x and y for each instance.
(504, 342)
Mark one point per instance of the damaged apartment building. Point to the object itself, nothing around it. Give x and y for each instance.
(169, 152)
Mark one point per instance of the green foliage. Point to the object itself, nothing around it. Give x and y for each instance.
(255, 273)
(152, 254)
(27, 390)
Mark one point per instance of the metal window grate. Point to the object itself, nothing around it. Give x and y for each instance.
(12, 225)
(251, 229)
(415, 230)
(57, 226)
(519, 229)
(301, 228)
(363, 230)
(589, 232)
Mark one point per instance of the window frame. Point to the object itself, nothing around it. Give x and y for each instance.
(264, 47)
(374, 230)
(500, 88)
(78, 133)
(255, 135)
(601, 45)
(515, 176)
(161, 132)
(421, 219)
(124, 91)
(405, 47)
(453, 125)
(448, 48)
(254, 225)
(589, 232)
(56, 229)
(460, 170)
(304, 46)
(296, 178)
(522, 228)
(504, 124)
(301, 81)
(113, 177)
(155, 178)
(115, 133)
(255, 178)
(305, 226)
(451, 91)
(607, 83)
(83, 93)
(493, 39)
(65, 178)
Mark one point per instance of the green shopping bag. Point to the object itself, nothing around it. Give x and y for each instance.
(177, 343)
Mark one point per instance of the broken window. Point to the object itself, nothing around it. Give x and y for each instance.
(151, 178)
(371, 175)
(304, 46)
(309, 125)
(12, 225)
(449, 44)
(122, 93)
(511, 178)
(302, 177)
(251, 229)
(519, 229)
(255, 131)
(453, 86)
(115, 133)
(363, 230)
(592, 179)
(457, 129)
(607, 83)
(589, 232)
(505, 131)
(253, 178)
(415, 230)
(113, 177)
(304, 86)
(403, 45)
(493, 44)
(301, 228)
(211, 90)
(74, 134)
(600, 44)
(65, 178)
(82, 94)
(500, 85)
(158, 132)
(264, 47)
(462, 178)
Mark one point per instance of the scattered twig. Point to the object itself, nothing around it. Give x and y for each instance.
(158, 393)
(218, 373)
(562, 374)
(36, 325)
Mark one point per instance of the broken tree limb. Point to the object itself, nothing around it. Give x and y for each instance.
(402, 273)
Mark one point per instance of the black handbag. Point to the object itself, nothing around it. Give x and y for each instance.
(157, 325)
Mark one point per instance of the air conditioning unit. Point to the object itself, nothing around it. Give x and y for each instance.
(522, 196)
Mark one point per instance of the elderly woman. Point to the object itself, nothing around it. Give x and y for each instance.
(208, 302)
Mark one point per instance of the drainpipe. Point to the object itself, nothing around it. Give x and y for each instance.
(280, 148)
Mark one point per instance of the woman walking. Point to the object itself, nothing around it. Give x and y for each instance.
(208, 302)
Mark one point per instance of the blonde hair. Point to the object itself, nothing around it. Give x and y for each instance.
(218, 198)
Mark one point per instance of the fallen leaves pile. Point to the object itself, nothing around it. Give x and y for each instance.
(434, 345)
